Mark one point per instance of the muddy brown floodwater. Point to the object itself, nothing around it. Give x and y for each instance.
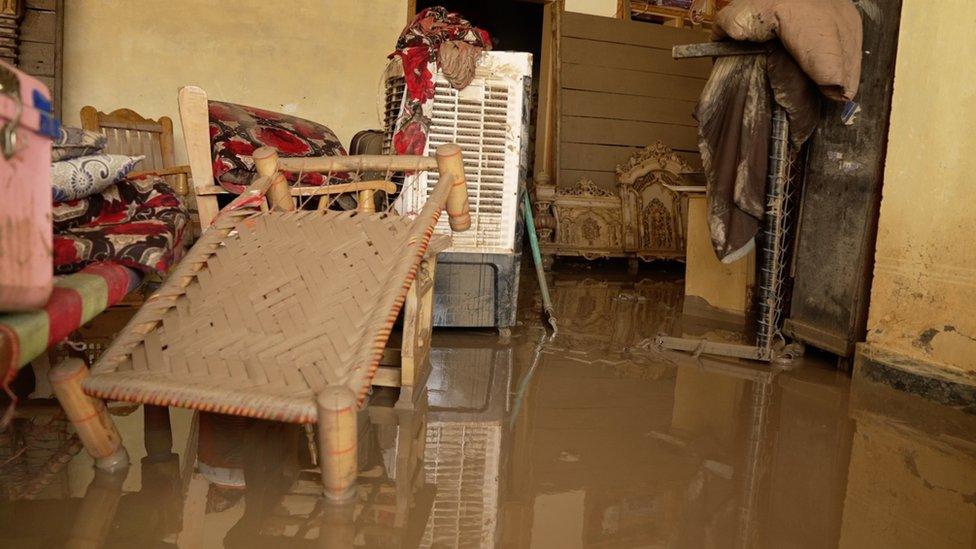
(588, 439)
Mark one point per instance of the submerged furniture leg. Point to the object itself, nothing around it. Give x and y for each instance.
(88, 415)
(417, 321)
(158, 433)
(93, 521)
(338, 445)
(338, 527)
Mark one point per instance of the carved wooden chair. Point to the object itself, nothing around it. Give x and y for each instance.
(127, 132)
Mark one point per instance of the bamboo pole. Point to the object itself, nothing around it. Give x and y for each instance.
(544, 128)
(157, 433)
(366, 201)
(338, 445)
(266, 164)
(357, 163)
(89, 416)
(450, 164)
(306, 191)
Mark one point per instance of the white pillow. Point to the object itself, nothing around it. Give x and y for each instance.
(87, 175)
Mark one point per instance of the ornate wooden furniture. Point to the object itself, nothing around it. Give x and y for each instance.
(127, 132)
(614, 313)
(279, 314)
(643, 220)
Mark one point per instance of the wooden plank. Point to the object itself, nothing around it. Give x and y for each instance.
(637, 58)
(719, 49)
(603, 131)
(37, 58)
(628, 107)
(39, 26)
(49, 5)
(605, 79)
(546, 107)
(604, 180)
(387, 377)
(578, 25)
(594, 157)
(840, 202)
(606, 157)
(56, 89)
(705, 347)
(47, 81)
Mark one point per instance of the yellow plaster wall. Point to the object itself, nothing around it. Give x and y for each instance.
(318, 59)
(727, 287)
(923, 298)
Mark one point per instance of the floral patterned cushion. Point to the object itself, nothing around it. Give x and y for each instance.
(236, 131)
(138, 223)
(87, 175)
(75, 142)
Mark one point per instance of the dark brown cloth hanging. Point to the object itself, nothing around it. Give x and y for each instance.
(734, 120)
(735, 109)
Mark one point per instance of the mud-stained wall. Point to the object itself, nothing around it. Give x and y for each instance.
(318, 60)
(923, 299)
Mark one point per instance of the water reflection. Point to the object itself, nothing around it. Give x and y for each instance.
(588, 439)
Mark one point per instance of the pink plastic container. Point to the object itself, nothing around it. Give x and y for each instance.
(26, 131)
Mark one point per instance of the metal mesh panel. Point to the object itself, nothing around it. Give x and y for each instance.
(775, 238)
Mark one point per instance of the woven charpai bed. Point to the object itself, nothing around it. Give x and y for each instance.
(281, 315)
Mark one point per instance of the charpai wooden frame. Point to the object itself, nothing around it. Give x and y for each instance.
(147, 363)
(195, 117)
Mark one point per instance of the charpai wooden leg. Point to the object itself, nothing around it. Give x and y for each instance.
(338, 444)
(157, 432)
(417, 327)
(411, 442)
(89, 416)
(93, 522)
(338, 527)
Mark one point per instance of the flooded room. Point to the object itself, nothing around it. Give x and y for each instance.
(519, 274)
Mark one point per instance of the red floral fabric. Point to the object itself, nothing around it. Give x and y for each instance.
(236, 131)
(417, 48)
(139, 224)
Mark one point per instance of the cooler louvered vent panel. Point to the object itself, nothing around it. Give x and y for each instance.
(487, 120)
(463, 461)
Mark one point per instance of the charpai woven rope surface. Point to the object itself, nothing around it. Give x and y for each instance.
(268, 309)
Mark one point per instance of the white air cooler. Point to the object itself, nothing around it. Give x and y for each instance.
(477, 277)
